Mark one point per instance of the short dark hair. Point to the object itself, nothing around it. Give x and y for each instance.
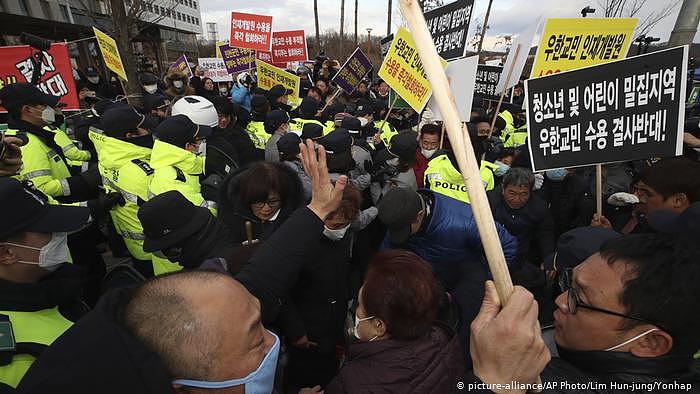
(315, 90)
(674, 175)
(505, 152)
(159, 315)
(401, 289)
(661, 285)
(259, 180)
(431, 129)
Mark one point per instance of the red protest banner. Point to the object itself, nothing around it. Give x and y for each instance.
(289, 46)
(251, 31)
(56, 73)
(267, 58)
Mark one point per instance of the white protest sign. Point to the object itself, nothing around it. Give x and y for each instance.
(214, 68)
(524, 41)
(461, 74)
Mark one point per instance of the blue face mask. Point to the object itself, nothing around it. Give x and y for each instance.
(501, 169)
(556, 175)
(262, 380)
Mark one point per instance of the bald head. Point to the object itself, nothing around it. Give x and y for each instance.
(173, 315)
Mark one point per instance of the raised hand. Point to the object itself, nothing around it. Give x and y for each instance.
(325, 197)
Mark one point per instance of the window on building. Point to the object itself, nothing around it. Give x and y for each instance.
(195, 4)
(46, 8)
(149, 7)
(64, 12)
(179, 16)
(24, 7)
(197, 19)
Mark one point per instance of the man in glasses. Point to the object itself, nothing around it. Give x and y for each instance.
(627, 314)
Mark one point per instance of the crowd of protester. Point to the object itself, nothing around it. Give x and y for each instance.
(216, 236)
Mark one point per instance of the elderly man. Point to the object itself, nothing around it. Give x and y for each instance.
(524, 215)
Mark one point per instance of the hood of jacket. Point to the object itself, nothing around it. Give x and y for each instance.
(173, 74)
(424, 365)
(167, 155)
(231, 206)
(98, 355)
(114, 153)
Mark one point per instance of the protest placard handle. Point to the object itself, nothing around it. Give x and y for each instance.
(599, 189)
(391, 106)
(442, 135)
(503, 91)
(337, 92)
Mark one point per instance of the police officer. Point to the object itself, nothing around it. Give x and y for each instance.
(45, 164)
(307, 114)
(278, 96)
(276, 124)
(178, 159)
(74, 155)
(125, 150)
(385, 129)
(393, 166)
(361, 152)
(256, 126)
(97, 84)
(39, 294)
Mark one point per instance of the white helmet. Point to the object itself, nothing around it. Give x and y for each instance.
(244, 78)
(200, 110)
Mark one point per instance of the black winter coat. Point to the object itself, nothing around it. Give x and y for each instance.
(570, 202)
(318, 302)
(235, 213)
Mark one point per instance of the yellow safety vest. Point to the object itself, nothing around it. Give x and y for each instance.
(43, 166)
(386, 133)
(298, 124)
(42, 327)
(510, 127)
(517, 138)
(442, 177)
(256, 132)
(74, 155)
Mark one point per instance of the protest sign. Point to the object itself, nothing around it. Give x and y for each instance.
(219, 44)
(269, 76)
(399, 103)
(618, 111)
(289, 46)
(182, 65)
(572, 43)
(56, 76)
(251, 31)
(462, 75)
(215, 69)
(517, 56)
(385, 44)
(449, 27)
(353, 71)
(110, 53)
(237, 59)
(403, 70)
(486, 81)
(267, 58)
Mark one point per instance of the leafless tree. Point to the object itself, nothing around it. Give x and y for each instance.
(635, 9)
(388, 19)
(342, 23)
(356, 22)
(318, 35)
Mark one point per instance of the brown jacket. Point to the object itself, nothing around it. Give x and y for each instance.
(432, 364)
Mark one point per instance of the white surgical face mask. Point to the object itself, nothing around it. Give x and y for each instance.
(202, 148)
(48, 115)
(335, 235)
(393, 162)
(178, 84)
(631, 340)
(94, 80)
(363, 121)
(428, 153)
(223, 90)
(52, 255)
(150, 89)
(357, 322)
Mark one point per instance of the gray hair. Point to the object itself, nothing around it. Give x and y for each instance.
(518, 176)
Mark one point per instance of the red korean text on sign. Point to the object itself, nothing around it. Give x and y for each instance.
(289, 46)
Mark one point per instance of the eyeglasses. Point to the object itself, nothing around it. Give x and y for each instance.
(273, 203)
(574, 301)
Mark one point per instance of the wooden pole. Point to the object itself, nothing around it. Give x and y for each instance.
(391, 106)
(442, 135)
(337, 92)
(462, 147)
(505, 87)
(599, 189)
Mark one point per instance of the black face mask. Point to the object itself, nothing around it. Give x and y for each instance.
(174, 254)
(145, 141)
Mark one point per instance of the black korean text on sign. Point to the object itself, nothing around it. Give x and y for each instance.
(625, 110)
(486, 82)
(449, 27)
